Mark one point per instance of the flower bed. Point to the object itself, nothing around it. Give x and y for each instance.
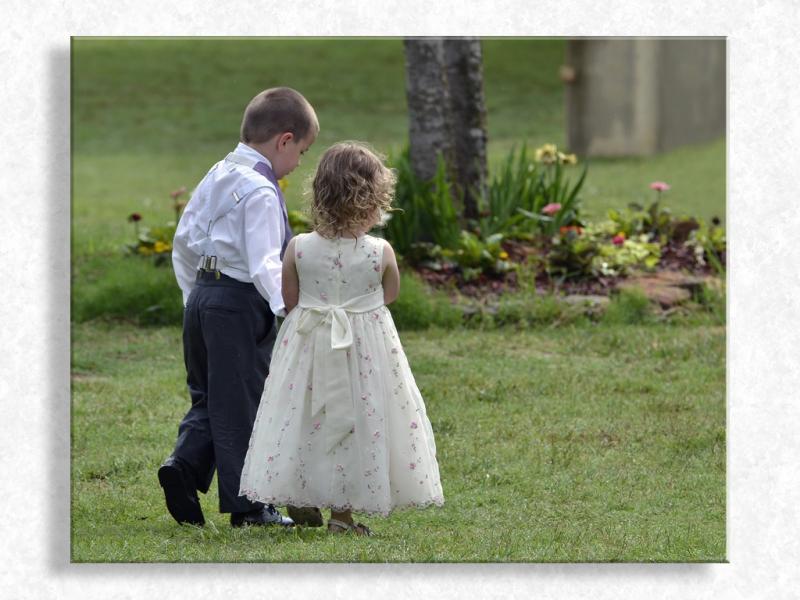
(531, 234)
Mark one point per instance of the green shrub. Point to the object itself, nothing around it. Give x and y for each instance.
(712, 301)
(419, 308)
(529, 311)
(126, 288)
(709, 245)
(515, 186)
(571, 256)
(425, 209)
(628, 307)
(525, 310)
(476, 256)
(517, 197)
(132, 289)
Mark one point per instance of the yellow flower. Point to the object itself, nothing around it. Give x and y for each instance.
(503, 255)
(547, 154)
(145, 250)
(160, 247)
(567, 159)
(283, 183)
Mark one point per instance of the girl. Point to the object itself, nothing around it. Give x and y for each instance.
(341, 422)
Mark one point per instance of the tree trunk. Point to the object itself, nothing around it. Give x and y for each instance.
(462, 60)
(428, 106)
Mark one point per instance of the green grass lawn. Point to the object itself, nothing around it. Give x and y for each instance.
(591, 443)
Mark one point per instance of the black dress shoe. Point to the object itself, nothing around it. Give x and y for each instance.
(267, 515)
(180, 492)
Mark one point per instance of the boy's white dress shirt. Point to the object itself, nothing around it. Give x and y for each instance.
(235, 215)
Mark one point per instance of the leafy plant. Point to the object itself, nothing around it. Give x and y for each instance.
(571, 256)
(423, 211)
(656, 222)
(476, 256)
(153, 242)
(515, 187)
(440, 217)
(618, 258)
(556, 203)
(156, 241)
(709, 245)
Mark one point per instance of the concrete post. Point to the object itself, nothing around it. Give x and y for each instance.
(637, 97)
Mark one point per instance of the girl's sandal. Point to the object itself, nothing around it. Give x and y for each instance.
(336, 526)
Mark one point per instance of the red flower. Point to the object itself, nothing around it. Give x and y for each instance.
(618, 239)
(134, 217)
(567, 228)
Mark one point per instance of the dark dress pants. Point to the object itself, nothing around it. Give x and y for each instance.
(228, 334)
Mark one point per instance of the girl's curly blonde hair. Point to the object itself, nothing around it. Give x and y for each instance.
(351, 189)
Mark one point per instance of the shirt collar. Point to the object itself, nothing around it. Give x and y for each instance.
(244, 150)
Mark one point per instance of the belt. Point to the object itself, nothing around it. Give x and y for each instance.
(331, 386)
(204, 275)
(205, 278)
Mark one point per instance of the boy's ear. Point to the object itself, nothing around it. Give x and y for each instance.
(285, 138)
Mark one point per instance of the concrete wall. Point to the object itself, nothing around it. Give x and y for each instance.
(636, 97)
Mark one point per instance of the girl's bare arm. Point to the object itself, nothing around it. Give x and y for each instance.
(391, 275)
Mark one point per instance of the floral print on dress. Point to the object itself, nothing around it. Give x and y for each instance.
(387, 458)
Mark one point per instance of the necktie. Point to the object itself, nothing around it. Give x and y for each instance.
(264, 169)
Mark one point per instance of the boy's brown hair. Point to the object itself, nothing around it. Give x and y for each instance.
(278, 110)
(350, 189)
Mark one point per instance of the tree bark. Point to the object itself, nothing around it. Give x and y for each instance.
(463, 68)
(428, 106)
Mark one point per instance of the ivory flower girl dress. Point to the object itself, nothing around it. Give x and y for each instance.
(341, 422)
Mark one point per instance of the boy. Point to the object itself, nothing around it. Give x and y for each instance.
(227, 255)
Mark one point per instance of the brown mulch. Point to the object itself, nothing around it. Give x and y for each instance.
(674, 257)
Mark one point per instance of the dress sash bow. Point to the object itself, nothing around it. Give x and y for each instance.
(331, 387)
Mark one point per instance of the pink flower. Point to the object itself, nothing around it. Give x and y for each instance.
(412, 466)
(413, 424)
(618, 239)
(659, 186)
(552, 208)
(316, 426)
